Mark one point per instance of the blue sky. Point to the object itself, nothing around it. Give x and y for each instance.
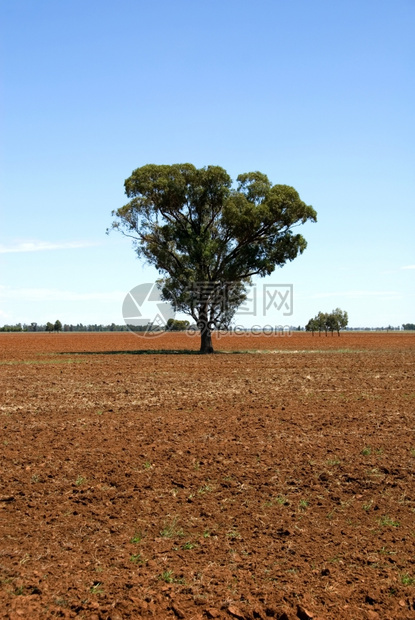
(318, 95)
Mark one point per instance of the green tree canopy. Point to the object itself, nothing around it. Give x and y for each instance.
(208, 238)
(312, 326)
(339, 320)
(329, 321)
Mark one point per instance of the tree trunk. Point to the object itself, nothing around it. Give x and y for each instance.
(205, 334)
(206, 341)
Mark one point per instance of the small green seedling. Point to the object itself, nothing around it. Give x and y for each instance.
(407, 580)
(167, 576)
(171, 530)
(137, 538)
(97, 588)
(388, 522)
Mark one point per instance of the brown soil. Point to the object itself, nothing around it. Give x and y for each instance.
(140, 480)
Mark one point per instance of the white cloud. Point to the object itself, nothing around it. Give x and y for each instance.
(408, 267)
(41, 246)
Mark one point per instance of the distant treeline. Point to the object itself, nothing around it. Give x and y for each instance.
(51, 327)
(172, 325)
(177, 326)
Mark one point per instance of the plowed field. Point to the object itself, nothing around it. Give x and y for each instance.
(272, 480)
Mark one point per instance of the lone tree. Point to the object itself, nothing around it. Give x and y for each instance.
(208, 238)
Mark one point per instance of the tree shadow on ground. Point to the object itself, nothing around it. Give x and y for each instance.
(150, 352)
